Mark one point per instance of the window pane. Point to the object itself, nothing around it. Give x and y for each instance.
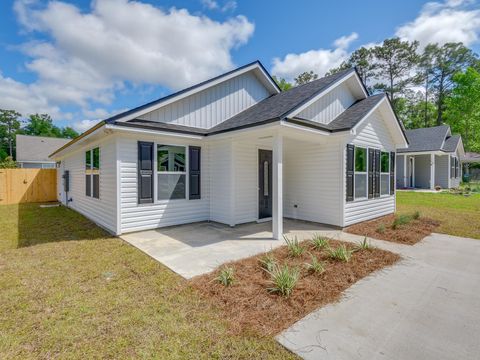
(96, 158)
(96, 186)
(384, 181)
(88, 185)
(360, 159)
(171, 158)
(88, 160)
(360, 185)
(385, 162)
(171, 186)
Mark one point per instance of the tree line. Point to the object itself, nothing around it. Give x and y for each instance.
(436, 85)
(11, 124)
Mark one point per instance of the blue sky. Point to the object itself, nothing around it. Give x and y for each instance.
(82, 60)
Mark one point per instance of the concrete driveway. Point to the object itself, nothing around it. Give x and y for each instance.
(425, 307)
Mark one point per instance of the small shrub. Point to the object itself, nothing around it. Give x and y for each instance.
(294, 247)
(401, 220)
(438, 188)
(364, 245)
(340, 253)
(416, 215)
(319, 242)
(226, 276)
(268, 261)
(381, 228)
(315, 266)
(283, 279)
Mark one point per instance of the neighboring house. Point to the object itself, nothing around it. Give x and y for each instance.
(431, 159)
(33, 151)
(471, 159)
(235, 149)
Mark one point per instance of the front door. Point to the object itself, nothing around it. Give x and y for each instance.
(264, 184)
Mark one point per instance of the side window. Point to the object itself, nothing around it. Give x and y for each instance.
(384, 173)
(92, 173)
(171, 172)
(360, 180)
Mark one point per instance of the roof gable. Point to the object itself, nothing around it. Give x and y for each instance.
(426, 139)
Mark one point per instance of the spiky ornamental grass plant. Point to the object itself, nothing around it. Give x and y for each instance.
(315, 265)
(283, 279)
(401, 220)
(319, 242)
(340, 253)
(294, 247)
(268, 261)
(364, 245)
(226, 276)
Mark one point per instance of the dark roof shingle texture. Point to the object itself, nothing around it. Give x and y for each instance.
(425, 139)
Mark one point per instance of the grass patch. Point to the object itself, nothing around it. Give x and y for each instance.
(69, 290)
(302, 284)
(457, 215)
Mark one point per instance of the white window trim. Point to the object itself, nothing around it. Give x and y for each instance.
(91, 174)
(156, 173)
(355, 198)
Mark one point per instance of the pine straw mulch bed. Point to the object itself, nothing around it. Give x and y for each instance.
(251, 308)
(382, 228)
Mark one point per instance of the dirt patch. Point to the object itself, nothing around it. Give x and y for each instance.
(382, 228)
(250, 307)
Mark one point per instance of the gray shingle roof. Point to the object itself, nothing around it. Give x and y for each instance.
(425, 139)
(451, 143)
(37, 148)
(278, 105)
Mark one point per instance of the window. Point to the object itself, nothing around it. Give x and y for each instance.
(171, 172)
(92, 173)
(385, 173)
(360, 173)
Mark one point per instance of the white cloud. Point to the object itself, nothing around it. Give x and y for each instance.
(320, 61)
(230, 5)
(451, 21)
(83, 125)
(85, 57)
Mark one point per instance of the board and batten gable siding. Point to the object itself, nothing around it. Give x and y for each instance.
(134, 216)
(312, 190)
(221, 182)
(441, 171)
(102, 211)
(330, 105)
(373, 133)
(213, 105)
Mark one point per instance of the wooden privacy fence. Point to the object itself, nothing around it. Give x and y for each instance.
(27, 185)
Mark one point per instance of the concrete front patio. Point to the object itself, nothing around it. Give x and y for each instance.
(195, 249)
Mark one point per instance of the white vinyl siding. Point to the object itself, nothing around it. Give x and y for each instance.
(134, 216)
(213, 105)
(400, 171)
(311, 174)
(329, 106)
(246, 180)
(221, 184)
(103, 210)
(422, 171)
(372, 133)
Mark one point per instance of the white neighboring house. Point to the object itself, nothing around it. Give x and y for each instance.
(235, 149)
(33, 151)
(432, 159)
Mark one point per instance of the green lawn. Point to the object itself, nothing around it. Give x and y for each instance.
(459, 215)
(68, 290)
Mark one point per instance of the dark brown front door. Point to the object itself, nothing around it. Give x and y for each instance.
(264, 184)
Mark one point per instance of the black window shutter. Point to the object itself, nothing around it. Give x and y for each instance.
(376, 189)
(392, 173)
(371, 170)
(350, 171)
(452, 167)
(456, 167)
(145, 172)
(194, 172)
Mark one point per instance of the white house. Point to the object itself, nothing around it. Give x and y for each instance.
(235, 149)
(432, 159)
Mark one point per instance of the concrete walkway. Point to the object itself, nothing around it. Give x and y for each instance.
(195, 249)
(425, 307)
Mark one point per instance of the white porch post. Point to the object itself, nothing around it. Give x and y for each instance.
(432, 171)
(405, 171)
(277, 213)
